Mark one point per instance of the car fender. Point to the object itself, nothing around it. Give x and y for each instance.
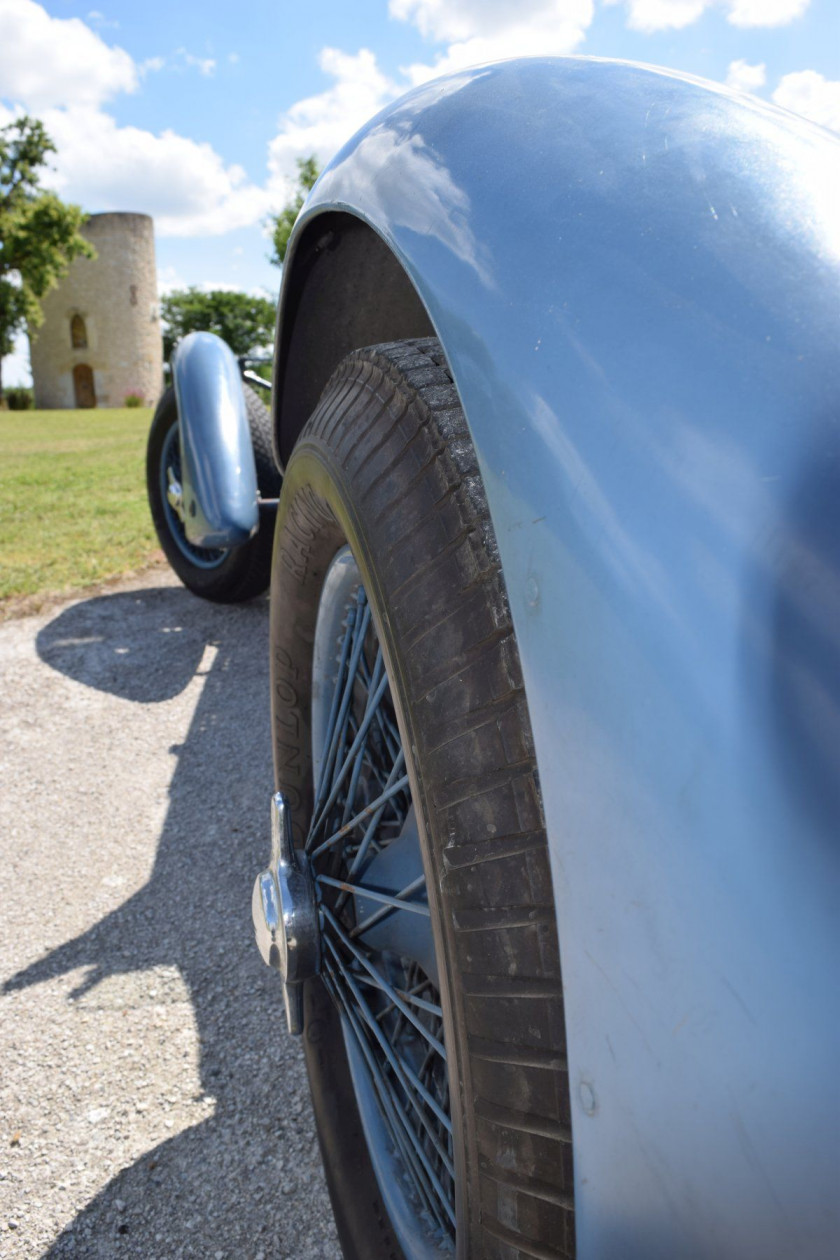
(219, 491)
(636, 280)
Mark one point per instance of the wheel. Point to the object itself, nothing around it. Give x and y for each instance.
(225, 576)
(433, 1031)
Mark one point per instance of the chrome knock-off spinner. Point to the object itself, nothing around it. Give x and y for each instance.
(285, 914)
(175, 494)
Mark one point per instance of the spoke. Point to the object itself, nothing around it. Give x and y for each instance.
(408, 1080)
(360, 623)
(393, 903)
(368, 837)
(378, 668)
(386, 752)
(375, 807)
(427, 1063)
(336, 700)
(410, 997)
(387, 987)
(400, 1128)
(373, 701)
(390, 1009)
(361, 628)
(402, 1070)
(416, 1139)
(390, 734)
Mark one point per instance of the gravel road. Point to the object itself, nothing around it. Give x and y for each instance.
(151, 1102)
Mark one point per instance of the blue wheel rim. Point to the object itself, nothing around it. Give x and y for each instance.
(378, 955)
(170, 458)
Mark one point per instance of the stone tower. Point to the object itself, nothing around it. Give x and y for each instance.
(101, 340)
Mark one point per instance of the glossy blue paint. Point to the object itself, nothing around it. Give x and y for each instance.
(635, 277)
(217, 459)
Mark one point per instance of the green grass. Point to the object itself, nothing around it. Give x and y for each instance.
(73, 508)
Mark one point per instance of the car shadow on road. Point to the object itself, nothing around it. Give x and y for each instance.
(222, 1186)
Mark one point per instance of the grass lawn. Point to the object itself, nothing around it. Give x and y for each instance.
(73, 508)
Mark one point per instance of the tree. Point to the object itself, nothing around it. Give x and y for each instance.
(39, 234)
(243, 321)
(281, 224)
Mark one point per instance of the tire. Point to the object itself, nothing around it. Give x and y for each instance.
(223, 576)
(386, 466)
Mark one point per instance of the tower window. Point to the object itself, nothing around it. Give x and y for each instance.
(78, 333)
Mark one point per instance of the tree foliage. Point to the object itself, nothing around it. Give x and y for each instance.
(244, 322)
(39, 234)
(281, 224)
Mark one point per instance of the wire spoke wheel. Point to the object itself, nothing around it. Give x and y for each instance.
(225, 575)
(170, 488)
(377, 952)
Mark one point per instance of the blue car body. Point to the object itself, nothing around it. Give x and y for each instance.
(636, 280)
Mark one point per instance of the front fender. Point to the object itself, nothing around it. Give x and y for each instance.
(219, 490)
(635, 277)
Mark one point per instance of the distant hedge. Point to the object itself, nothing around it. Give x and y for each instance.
(19, 398)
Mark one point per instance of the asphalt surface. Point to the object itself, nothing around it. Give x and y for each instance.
(151, 1103)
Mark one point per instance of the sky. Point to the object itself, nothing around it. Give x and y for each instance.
(196, 111)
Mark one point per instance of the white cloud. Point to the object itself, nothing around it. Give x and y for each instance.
(62, 71)
(169, 279)
(487, 30)
(223, 286)
(100, 20)
(453, 21)
(178, 61)
(185, 185)
(321, 124)
(743, 77)
(57, 61)
(206, 65)
(660, 15)
(150, 65)
(765, 12)
(809, 94)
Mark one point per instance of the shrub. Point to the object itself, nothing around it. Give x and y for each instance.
(133, 400)
(20, 398)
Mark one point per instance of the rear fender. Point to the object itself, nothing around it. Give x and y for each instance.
(636, 280)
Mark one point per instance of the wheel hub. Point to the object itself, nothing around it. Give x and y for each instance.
(285, 913)
(174, 494)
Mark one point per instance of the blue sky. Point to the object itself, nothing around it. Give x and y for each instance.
(196, 112)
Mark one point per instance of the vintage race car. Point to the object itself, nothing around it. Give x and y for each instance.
(555, 664)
